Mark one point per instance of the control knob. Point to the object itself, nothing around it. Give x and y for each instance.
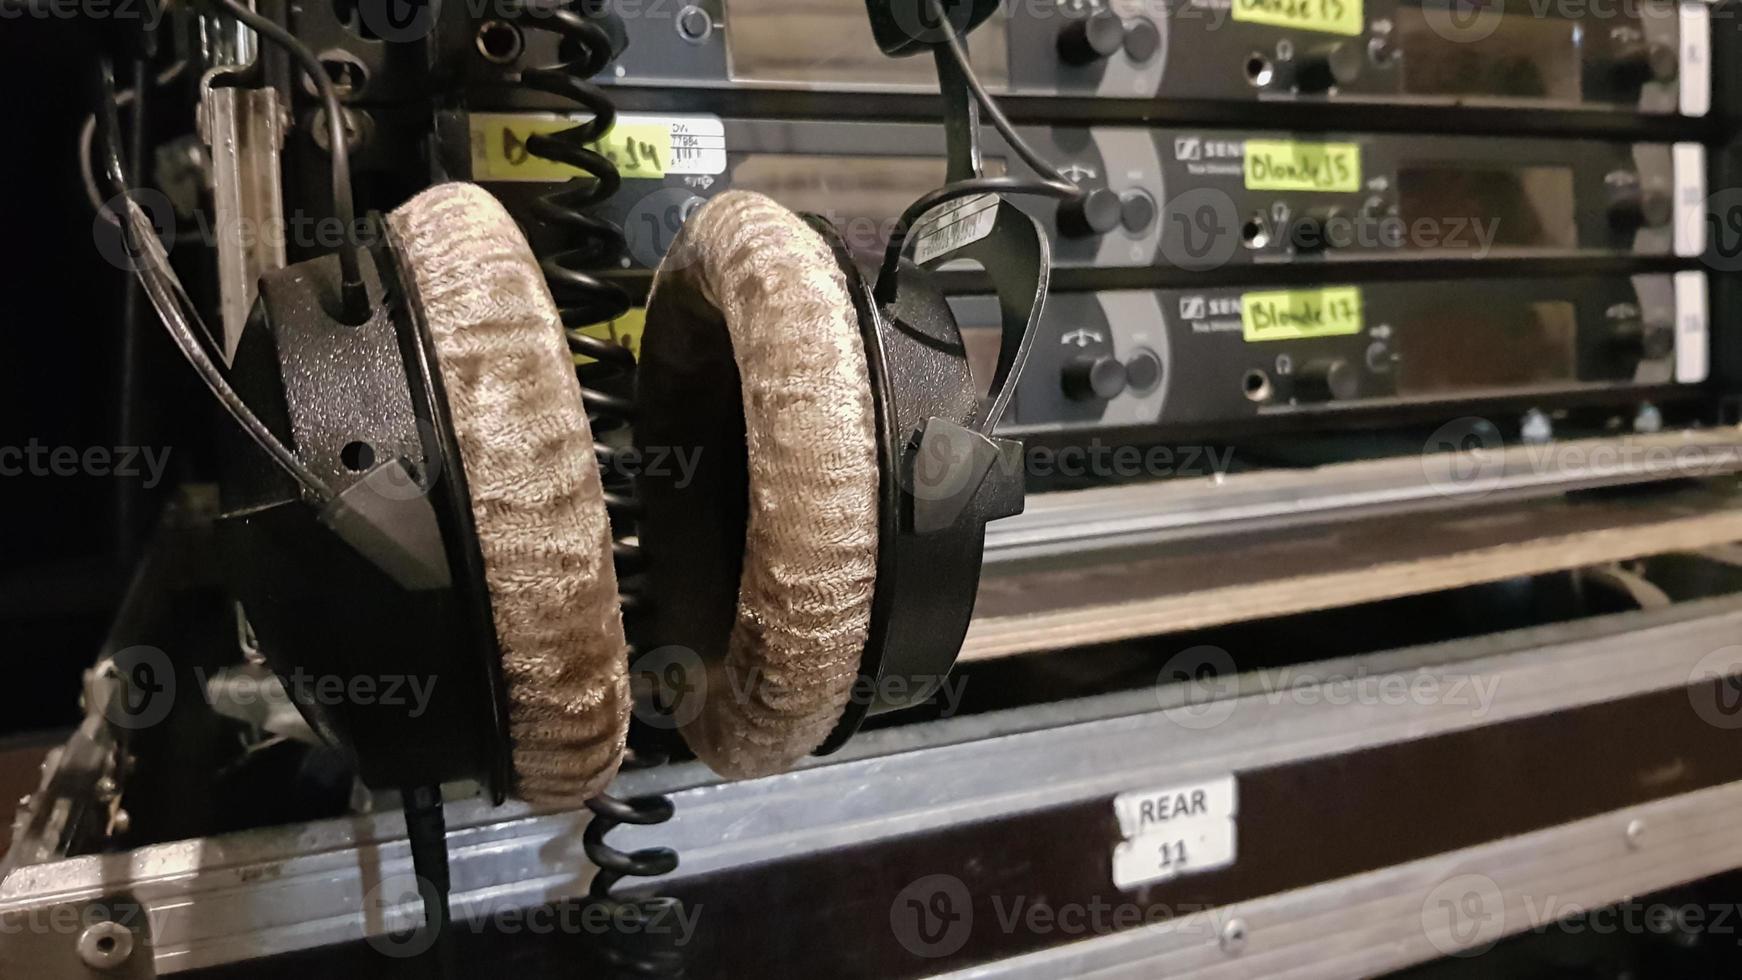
(1087, 40)
(1326, 379)
(1332, 66)
(1090, 377)
(1096, 212)
(1642, 338)
(1641, 62)
(1310, 232)
(1632, 205)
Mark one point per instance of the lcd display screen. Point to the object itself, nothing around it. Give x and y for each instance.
(1482, 346)
(1473, 208)
(1446, 50)
(829, 42)
(861, 196)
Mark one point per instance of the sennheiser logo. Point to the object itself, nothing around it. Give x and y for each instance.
(1187, 149)
(1200, 307)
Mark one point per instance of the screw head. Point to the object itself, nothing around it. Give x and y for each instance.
(1536, 427)
(1233, 938)
(1636, 834)
(105, 945)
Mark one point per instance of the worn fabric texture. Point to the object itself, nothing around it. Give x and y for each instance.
(527, 452)
(810, 549)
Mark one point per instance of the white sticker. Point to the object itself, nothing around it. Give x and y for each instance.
(1689, 167)
(1148, 810)
(1696, 58)
(950, 226)
(1690, 331)
(642, 147)
(1189, 847)
(698, 143)
(1177, 831)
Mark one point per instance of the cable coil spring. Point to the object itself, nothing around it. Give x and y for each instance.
(585, 298)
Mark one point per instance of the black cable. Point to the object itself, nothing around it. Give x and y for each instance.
(354, 296)
(126, 493)
(87, 139)
(171, 300)
(426, 832)
(1000, 122)
(1051, 183)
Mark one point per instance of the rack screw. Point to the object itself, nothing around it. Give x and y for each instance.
(1234, 936)
(105, 945)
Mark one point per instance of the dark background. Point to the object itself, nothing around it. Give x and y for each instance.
(63, 556)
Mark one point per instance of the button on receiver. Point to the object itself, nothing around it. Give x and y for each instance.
(1136, 211)
(1142, 40)
(1143, 371)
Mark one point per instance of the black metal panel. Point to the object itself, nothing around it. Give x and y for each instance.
(1301, 823)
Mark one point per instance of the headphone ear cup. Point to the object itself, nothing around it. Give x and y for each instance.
(526, 451)
(751, 322)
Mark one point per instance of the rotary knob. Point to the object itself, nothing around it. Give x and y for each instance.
(1632, 205)
(1092, 377)
(1310, 233)
(1332, 66)
(1096, 211)
(1642, 338)
(1641, 62)
(1087, 40)
(1326, 379)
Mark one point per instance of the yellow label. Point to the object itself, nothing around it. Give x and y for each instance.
(1295, 314)
(625, 331)
(640, 150)
(1287, 165)
(1328, 16)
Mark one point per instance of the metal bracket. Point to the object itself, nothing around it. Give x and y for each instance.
(244, 127)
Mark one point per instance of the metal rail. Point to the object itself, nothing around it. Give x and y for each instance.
(229, 899)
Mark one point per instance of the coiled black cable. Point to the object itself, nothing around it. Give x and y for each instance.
(584, 298)
(642, 943)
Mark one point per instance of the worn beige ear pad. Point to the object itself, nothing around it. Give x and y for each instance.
(810, 549)
(527, 454)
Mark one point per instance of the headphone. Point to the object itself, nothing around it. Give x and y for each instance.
(820, 563)
(818, 566)
(831, 532)
(427, 503)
